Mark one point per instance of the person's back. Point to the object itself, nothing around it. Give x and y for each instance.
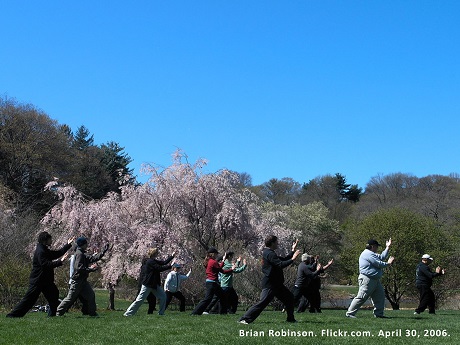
(423, 275)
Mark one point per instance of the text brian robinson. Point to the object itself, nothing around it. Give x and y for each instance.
(275, 333)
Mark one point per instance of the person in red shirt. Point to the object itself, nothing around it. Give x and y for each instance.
(213, 267)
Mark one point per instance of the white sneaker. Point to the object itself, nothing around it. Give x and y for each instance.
(244, 322)
(205, 313)
(351, 316)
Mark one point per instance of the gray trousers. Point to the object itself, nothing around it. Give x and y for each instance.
(82, 290)
(145, 291)
(368, 288)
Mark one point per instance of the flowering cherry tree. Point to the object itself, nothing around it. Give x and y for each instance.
(180, 209)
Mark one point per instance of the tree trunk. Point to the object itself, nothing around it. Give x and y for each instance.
(111, 298)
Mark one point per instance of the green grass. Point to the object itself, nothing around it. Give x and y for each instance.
(181, 328)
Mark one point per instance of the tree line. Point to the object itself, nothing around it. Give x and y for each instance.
(90, 190)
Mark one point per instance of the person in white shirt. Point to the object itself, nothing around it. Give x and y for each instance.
(172, 286)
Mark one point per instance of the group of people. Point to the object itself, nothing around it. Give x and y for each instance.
(42, 277)
(219, 281)
(371, 265)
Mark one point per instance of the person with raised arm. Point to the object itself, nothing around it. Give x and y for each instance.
(371, 267)
(41, 278)
(273, 281)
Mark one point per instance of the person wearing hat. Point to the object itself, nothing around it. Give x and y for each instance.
(423, 281)
(226, 283)
(371, 267)
(305, 275)
(172, 285)
(41, 278)
(213, 267)
(152, 282)
(83, 265)
(273, 281)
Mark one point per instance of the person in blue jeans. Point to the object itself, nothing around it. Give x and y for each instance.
(152, 282)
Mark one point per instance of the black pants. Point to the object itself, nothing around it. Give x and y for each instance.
(214, 306)
(303, 305)
(212, 288)
(266, 296)
(427, 300)
(314, 297)
(179, 296)
(298, 293)
(231, 298)
(51, 293)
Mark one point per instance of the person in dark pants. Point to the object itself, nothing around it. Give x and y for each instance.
(314, 287)
(226, 283)
(273, 281)
(79, 285)
(305, 276)
(41, 278)
(423, 281)
(172, 285)
(213, 267)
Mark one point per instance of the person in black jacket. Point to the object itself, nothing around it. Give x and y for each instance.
(151, 299)
(314, 296)
(305, 276)
(152, 282)
(42, 276)
(273, 280)
(84, 264)
(423, 281)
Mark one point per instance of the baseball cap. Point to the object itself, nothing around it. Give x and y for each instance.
(373, 243)
(427, 256)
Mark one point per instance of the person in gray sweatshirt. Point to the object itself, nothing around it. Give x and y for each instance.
(371, 267)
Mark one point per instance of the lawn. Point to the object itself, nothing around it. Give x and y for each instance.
(330, 327)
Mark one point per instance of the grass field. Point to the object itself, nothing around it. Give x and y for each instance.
(330, 327)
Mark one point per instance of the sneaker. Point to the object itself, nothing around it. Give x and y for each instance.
(292, 321)
(205, 313)
(351, 316)
(382, 317)
(416, 313)
(244, 322)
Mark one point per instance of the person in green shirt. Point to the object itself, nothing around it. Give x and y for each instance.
(226, 280)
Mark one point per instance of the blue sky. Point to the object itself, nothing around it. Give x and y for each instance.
(275, 89)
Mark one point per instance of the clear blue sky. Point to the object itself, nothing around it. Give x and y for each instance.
(276, 89)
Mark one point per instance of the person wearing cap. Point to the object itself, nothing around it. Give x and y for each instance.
(172, 285)
(41, 278)
(213, 267)
(305, 275)
(371, 267)
(83, 265)
(423, 281)
(152, 282)
(273, 281)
